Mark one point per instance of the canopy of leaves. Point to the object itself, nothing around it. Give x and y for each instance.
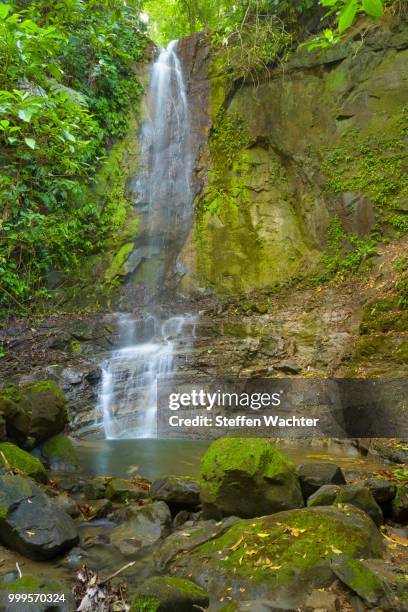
(66, 84)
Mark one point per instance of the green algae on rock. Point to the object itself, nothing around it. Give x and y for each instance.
(247, 477)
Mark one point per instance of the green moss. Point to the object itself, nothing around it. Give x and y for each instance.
(43, 386)
(298, 543)
(60, 449)
(170, 592)
(250, 455)
(383, 316)
(3, 511)
(364, 580)
(117, 267)
(31, 584)
(383, 346)
(144, 603)
(19, 459)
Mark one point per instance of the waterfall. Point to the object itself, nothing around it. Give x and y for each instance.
(147, 347)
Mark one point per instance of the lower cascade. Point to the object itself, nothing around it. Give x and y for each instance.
(128, 397)
(127, 402)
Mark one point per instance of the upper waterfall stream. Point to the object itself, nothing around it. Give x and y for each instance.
(127, 402)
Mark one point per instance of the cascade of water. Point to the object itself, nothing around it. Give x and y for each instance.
(127, 402)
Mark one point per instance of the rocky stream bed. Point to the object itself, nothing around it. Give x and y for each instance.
(252, 531)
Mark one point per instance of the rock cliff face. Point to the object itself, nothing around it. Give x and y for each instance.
(320, 136)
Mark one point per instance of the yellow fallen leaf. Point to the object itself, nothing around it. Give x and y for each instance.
(263, 535)
(295, 531)
(30, 533)
(395, 538)
(336, 550)
(237, 544)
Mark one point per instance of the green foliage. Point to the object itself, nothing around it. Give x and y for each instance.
(170, 19)
(346, 253)
(66, 86)
(345, 13)
(258, 41)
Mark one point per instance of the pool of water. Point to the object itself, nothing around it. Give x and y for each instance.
(156, 458)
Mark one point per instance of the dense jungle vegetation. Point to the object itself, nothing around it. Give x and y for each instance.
(66, 86)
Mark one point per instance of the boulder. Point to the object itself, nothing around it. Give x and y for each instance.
(177, 491)
(147, 526)
(381, 489)
(363, 581)
(189, 538)
(324, 496)
(399, 507)
(122, 490)
(36, 410)
(282, 557)
(16, 419)
(67, 504)
(312, 476)
(60, 453)
(30, 522)
(96, 488)
(170, 594)
(47, 406)
(361, 497)
(35, 584)
(13, 456)
(247, 477)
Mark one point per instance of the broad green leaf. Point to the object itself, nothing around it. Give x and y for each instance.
(30, 142)
(25, 114)
(69, 136)
(347, 15)
(374, 8)
(4, 10)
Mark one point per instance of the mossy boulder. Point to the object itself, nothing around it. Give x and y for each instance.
(36, 409)
(325, 496)
(399, 505)
(60, 453)
(30, 522)
(170, 594)
(46, 403)
(280, 557)
(17, 421)
(35, 584)
(363, 581)
(355, 495)
(247, 477)
(13, 456)
(362, 498)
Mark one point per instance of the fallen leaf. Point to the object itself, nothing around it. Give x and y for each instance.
(237, 544)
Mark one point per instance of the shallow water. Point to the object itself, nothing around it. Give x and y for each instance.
(153, 458)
